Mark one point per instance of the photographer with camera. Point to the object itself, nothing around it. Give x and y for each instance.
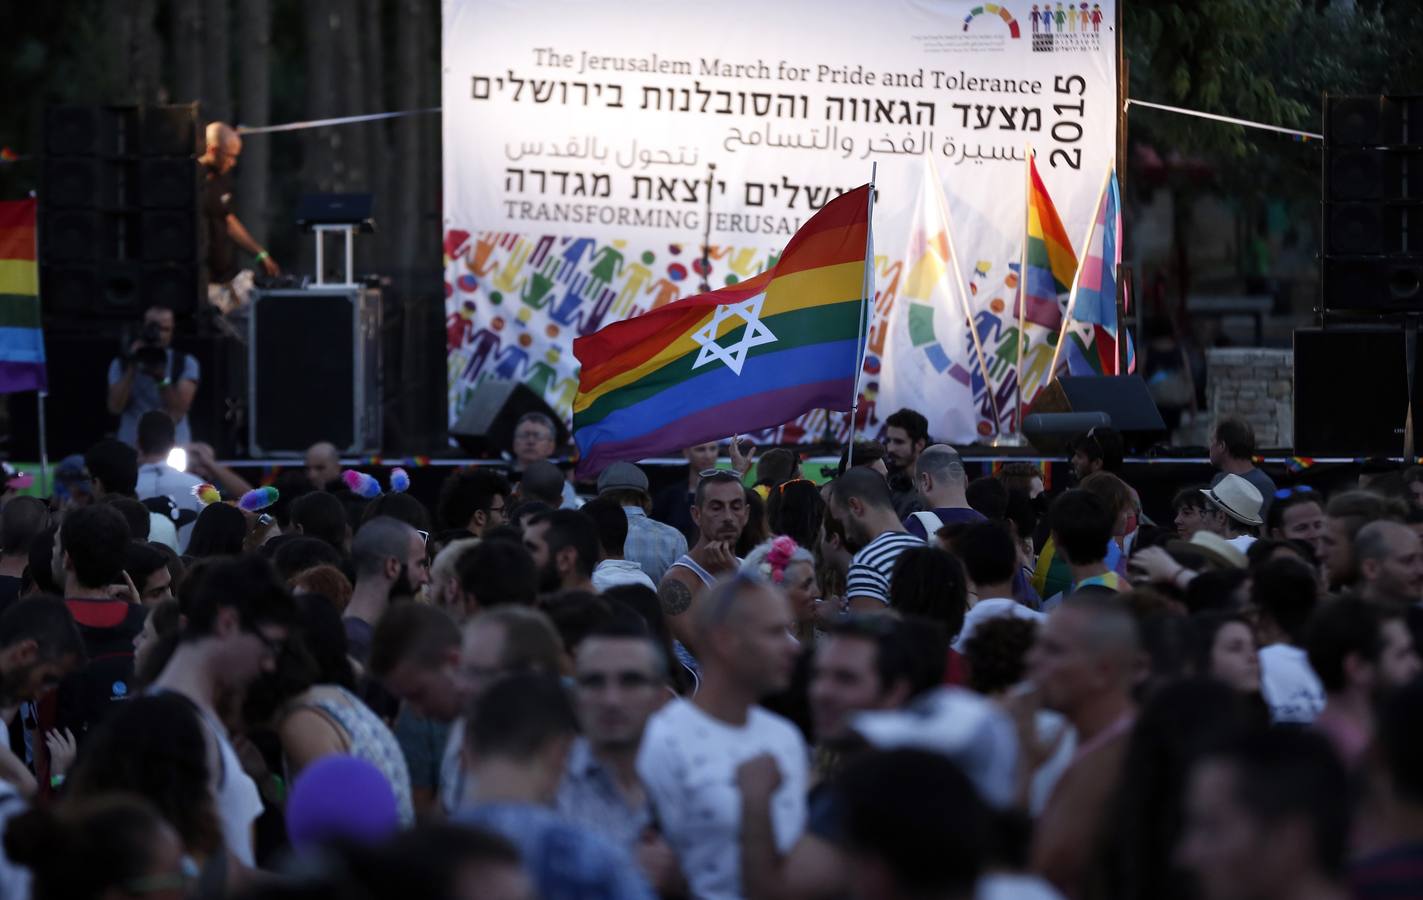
(151, 375)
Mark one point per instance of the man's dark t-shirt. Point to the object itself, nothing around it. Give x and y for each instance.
(358, 638)
(217, 205)
(673, 506)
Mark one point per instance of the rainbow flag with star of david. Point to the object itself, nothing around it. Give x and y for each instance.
(751, 355)
(21, 340)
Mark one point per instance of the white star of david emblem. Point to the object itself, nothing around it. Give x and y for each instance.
(756, 334)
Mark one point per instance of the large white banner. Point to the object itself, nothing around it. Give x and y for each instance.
(592, 148)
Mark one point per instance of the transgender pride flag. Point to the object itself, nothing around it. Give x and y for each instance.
(1097, 283)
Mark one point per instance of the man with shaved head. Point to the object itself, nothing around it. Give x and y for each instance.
(940, 477)
(1084, 665)
(228, 280)
(692, 749)
(323, 465)
(1389, 556)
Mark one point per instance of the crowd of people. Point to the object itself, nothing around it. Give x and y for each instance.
(899, 683)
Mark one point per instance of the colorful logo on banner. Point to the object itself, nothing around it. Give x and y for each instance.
(993, 9)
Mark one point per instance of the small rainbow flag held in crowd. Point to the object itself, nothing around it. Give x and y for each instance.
(21, 340)
(1049, 259)
(749, 356)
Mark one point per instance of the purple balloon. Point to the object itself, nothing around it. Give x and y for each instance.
(341, 798)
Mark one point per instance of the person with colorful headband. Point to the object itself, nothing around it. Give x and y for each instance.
(791, 567)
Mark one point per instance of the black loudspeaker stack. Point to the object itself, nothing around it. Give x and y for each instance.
(1373, 204)
(119, 211)
(1356, 375)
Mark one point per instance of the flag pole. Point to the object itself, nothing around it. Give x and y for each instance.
(40, 397)
(1077, 276)
(963, 292)
(1023, 283)
(867, 287)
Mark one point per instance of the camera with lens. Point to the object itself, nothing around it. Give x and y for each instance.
(145, 349)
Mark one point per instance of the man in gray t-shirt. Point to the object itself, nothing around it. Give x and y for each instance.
(153, 376)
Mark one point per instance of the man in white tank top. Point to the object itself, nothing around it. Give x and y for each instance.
(720, 512)
(237, 621)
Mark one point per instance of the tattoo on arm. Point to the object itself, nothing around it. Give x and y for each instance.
(676, 597)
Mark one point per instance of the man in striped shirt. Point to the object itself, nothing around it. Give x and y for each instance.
(861, 501)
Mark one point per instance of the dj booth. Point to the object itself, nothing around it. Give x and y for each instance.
(314, 352)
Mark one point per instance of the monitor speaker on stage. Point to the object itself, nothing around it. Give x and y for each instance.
(1123, 398)
(1351, 392)
(486, 423)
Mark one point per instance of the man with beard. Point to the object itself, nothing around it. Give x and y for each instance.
(39, 645)
(693, 748)
(1345, 515)
(905, 435)
(390, 563)
(719, 512)
(564, 545)
(621, 676)
(1360, 651)
(860, 500)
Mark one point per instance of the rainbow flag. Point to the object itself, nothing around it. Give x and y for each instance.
(749, 356)
(21, 341)
(1097, 285)
(1050, 260)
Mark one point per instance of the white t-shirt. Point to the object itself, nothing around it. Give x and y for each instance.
(993, 608)
(688, 762)
(162, 480)
(613, 572)
(1289, 685)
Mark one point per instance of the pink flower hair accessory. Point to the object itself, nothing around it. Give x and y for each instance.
(782, 549)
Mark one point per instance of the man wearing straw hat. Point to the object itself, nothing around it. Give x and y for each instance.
(1240, 501)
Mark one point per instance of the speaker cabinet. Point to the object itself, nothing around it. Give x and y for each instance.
(1351, 392)
(486, 421)
(1124, 399)
(314, 370)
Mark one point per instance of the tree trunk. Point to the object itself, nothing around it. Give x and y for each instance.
(187, 51)
(380, 171)
(217, 79)
(318, 160)
(353, 95)
(409, 37)
(254, 108)
(133, 53)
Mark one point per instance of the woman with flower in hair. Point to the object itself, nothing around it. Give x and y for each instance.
(791, 567)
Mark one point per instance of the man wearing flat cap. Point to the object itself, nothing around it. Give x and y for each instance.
(651, 544)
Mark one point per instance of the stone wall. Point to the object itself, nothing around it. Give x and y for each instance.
(1256, 384)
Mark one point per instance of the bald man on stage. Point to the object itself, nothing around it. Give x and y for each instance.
(229, 283)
